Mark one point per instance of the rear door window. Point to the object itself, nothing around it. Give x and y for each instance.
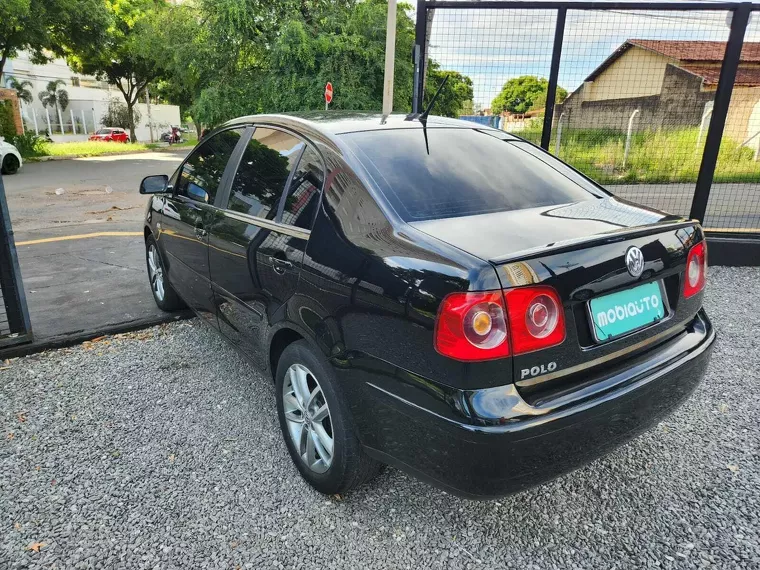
(467, 172)
(303, 193)
(264, 168)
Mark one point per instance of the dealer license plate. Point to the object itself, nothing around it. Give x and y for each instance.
(625, 311)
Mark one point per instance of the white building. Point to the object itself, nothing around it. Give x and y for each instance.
(88, 101)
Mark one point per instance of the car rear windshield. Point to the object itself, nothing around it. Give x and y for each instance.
(467, 172)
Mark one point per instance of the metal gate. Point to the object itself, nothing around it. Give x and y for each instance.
(15, 327)
(659, 101)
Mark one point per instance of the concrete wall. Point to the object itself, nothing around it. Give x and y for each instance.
(163, 118)
(743, 119)
(636, 73)
(681, 103)
(666, 96)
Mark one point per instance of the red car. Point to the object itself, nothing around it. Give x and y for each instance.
(110, 134)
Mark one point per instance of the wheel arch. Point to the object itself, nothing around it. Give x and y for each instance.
(281, 339)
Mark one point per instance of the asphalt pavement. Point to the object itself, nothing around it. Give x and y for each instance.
(731, 207)
(161, 449)
(78, 232)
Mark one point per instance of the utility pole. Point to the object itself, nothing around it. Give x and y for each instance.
(150, 119)
(390, 59)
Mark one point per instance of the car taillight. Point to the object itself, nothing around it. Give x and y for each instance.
(472, 326)
(476, 326)
(696, 270)
(536, 318)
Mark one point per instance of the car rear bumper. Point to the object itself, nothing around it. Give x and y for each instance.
(472, 458)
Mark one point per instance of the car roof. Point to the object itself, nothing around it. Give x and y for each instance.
(342, 122)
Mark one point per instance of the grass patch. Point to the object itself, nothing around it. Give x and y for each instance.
(90, 148)
(654, 157)
(188, 143)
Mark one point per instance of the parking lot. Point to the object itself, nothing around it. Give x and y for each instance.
(78, 230)
(161, 449)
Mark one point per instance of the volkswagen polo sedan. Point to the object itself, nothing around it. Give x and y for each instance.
(435, 295)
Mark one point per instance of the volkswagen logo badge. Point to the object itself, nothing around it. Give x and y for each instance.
(634, 260)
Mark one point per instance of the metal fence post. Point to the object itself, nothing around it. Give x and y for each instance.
(420, 65)
(551, 91)
(628, 136)
(11, 285)
(723, 92)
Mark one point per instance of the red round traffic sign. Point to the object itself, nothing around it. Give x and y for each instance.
(328, 92)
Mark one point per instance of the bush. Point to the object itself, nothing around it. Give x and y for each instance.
(7, 124)
(28, 144)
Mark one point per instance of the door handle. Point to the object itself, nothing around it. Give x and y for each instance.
(280, 265)
(200, 232)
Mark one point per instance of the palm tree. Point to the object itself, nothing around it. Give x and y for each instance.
(55, 97)
(21, 87)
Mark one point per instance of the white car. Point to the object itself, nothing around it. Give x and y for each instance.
(10, 158)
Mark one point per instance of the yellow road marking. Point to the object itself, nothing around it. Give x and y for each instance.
(79, 236)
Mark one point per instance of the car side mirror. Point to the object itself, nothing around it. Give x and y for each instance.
(155, 184)
(197, 193)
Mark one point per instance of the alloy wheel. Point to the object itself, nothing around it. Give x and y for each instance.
(308, 418)
(156, 273)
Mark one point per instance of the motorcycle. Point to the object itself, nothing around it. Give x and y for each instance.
(172, 137)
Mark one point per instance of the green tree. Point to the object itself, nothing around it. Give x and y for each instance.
(344, 46)
(22, 89)
(192, 60)
(49, 28)
(117, 115)
(134, 53)
(540, 101)
(524, 93)
(56, 97)
(456, 96)
(225, 61)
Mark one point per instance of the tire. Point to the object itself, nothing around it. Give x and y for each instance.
(10, 164)
(349, 466)
(163, 293)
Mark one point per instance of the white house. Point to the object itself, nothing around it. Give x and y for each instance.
(88, 101)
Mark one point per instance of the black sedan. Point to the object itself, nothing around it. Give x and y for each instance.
(434, 295)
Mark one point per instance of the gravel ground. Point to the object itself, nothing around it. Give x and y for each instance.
(161, 449)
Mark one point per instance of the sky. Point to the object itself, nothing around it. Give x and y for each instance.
(492, 46)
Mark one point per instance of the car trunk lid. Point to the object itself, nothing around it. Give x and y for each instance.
(580, 250)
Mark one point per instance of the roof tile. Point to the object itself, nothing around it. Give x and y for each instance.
(697, 51)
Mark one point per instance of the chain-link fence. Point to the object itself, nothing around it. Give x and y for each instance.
(641, 93)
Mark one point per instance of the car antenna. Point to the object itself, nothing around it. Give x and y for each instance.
(422, 117)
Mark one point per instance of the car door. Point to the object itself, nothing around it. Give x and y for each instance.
(186, 216)
(257, 244)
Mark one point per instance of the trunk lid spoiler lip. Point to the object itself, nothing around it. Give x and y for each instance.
(597, 239)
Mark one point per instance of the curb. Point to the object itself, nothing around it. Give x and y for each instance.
(78, 337)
